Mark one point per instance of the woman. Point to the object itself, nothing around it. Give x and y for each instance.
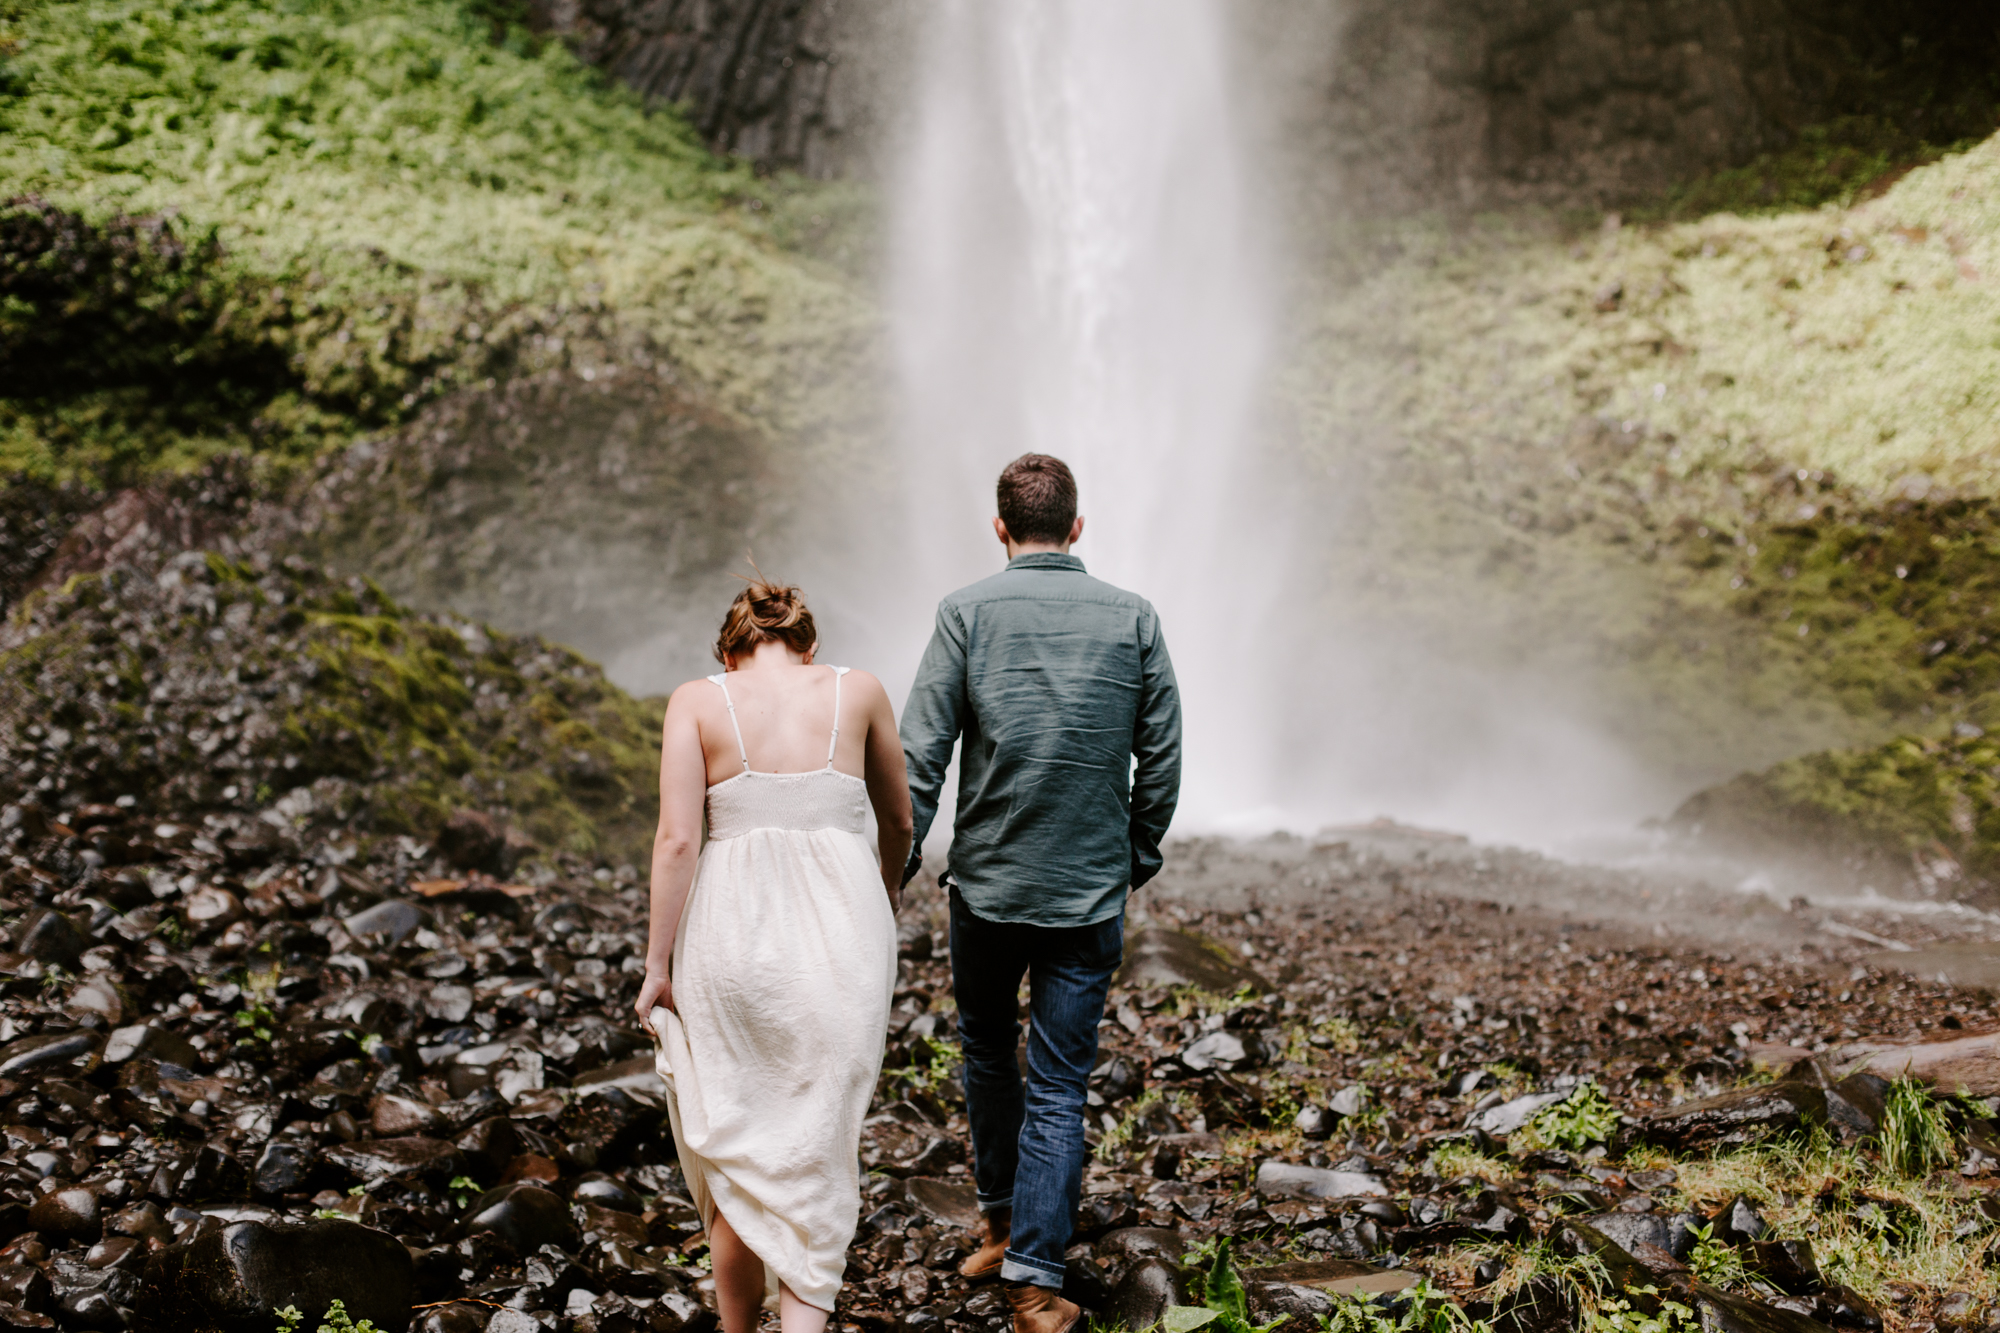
(772, 952)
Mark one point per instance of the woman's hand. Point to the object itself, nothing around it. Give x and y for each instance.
(656, 993)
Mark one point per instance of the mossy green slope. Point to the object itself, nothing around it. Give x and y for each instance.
(1745, 466)
(398, 204)
(223, 686)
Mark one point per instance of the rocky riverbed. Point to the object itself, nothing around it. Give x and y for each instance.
(240, 1074)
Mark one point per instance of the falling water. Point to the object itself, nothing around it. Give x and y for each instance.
(1080, 267)
(1076, 273)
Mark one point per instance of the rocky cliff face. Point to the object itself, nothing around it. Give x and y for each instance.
(791, 83)
(1495, 101)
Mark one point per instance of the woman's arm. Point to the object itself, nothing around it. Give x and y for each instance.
(677, 844)
(888, 790)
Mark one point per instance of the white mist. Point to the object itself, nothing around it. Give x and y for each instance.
(1075, 272)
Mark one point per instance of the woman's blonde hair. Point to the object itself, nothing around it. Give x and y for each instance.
(766, 612)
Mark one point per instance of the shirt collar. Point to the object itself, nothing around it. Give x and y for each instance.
(1046, 560)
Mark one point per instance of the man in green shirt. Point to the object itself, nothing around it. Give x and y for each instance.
(1062, 692)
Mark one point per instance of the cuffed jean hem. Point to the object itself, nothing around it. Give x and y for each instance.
(995, 1204)
(1020, 1268)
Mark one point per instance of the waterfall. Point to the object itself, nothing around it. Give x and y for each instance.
(1075, 272)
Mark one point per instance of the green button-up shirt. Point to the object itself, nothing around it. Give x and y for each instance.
(1057, 683)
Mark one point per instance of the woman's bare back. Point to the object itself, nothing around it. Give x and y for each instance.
(786, 714)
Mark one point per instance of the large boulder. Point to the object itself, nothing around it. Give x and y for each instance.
(1741, 1115)
(1969, 1064)
(1157, 956)
(235, 1280)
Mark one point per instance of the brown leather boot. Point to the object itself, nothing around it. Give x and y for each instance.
(1040, 1309)
(993, 1231)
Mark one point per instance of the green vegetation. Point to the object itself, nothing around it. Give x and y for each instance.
(1936, 801)
(337, 1320)
(300, 220)
(1840, 162)
(1738, 471)
(226, 679)
(1584, 1118)
(1916, 1135)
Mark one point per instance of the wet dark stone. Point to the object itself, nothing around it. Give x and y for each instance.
(607, 1193)
(913, 940)
(1843, 1307)
(115, 1252)
(1146, 1291)
(50, 937)
(1386, 1212)
(150, 1042)
(1743, 1115)
(25, 1286)
(679, 1312)
(214, 1177)
(236, 1279)
(1268, 1301)
(524, 1216)
(386, 923)
(560, 919)
(377, 1160)
(393, 1116)
(1855, 1105)
(1157, 956)
(465, 1318)
(1285, 1180)
(607, 1120)
(284, 1167)
(1223, 1050)
(71, 1212)
(473, 841)
(1315, 1123)
(1633, 1279)
(46, 1049)
(1116, 1079)
(1631, 1230)
(1488, 1271)
(1084, 1283)
(610, 1224)
(1740, 1222)
(14, 1317)
(1788, 1265)
(1099, 1213)
(1130, 1244)
(1542, 1304)
(142, 1219)
(1723, 1312)
(490, 1145)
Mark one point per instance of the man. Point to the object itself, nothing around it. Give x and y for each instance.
(1057, 683)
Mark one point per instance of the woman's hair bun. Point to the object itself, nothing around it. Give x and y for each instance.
(762, 613)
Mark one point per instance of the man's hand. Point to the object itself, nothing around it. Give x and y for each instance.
(656, 993)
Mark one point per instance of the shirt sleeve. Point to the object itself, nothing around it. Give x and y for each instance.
(1156, 746)
(931, 722)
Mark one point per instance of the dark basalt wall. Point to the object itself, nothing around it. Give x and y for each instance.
(785, 83)
(1480, 102)
(1404, 103)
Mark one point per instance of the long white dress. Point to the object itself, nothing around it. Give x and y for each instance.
(783, 970)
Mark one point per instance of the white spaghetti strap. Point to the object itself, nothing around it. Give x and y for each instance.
(734, 725)
(834, 744)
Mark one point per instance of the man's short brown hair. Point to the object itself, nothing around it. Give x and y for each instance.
(1038, 499)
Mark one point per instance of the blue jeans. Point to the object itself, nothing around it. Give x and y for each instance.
(1027, 1143)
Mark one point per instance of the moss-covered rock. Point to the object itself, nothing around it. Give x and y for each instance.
(221, 686)
(1927, 809)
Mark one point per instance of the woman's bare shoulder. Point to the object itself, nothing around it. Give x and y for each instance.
(864, 684)
(692, 694)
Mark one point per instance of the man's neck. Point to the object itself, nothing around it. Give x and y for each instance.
(1016, 550)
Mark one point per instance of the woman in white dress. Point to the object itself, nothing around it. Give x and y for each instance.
(772, 952)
